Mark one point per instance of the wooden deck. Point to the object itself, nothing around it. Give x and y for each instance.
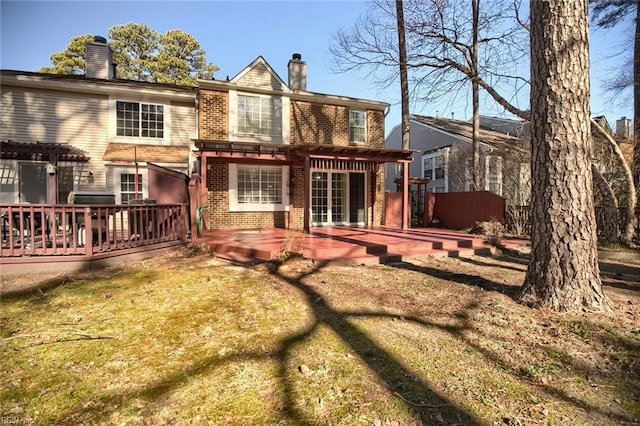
(342, 243)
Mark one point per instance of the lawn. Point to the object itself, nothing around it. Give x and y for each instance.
(186, 338)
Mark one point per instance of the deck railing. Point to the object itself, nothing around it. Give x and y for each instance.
(73, 229)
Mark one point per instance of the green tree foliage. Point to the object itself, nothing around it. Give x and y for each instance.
(70, 61)
(142, 54)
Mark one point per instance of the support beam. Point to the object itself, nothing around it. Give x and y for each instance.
(307, 195)
(406, 208)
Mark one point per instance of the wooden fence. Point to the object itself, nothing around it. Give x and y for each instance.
(73, 230)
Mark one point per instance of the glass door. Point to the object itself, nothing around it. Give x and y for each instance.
(319, 198)
(33, 183)
(357, 202)
(337, 198)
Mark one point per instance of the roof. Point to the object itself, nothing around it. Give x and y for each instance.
(146, 153)
(237, 83)
(38, 151)
(464, 129)
(103, 87)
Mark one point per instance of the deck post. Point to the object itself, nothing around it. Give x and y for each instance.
(307, 194)
(406, 209)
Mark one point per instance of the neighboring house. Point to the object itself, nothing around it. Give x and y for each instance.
(273, 154)
(445, 153)
(93, 133)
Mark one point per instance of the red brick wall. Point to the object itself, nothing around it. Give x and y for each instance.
(310, 123)
(218, 205)
(329, 124)
(213, 115)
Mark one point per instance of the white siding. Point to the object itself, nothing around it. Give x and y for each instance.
(58, 117)
(259, 76)
(183, 123)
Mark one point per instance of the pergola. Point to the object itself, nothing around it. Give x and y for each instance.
(52, 153)
(308, 156)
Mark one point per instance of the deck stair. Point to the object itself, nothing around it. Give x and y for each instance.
(343, 244)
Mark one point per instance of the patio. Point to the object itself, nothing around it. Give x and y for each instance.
(349, 244)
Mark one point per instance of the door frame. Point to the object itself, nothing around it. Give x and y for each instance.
(346, 198)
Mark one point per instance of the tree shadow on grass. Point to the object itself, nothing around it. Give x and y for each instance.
(415, 393)
(467, 279)
(401, 380)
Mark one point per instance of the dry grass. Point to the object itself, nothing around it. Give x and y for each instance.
(188, 339)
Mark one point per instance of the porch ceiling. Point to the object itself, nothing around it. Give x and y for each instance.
(38, 151)
(229, 149)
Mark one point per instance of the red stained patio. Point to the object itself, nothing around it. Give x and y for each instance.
(342, 243)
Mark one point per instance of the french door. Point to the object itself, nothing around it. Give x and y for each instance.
(337, 198)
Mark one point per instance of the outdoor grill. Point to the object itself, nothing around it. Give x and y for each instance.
(91, 198)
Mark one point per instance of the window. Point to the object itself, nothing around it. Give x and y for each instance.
(259, 185)
(137, 119)
(494, 174)
(357, 126)
(260, 115)
(434, 167)
(128, 187)
(258, 188)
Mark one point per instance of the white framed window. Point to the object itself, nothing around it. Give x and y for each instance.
(123, 183)
(259, 115)
(136, 119)
(435, 166)
(255, 187)
(493, 174)
(357, 127)
(128, 189)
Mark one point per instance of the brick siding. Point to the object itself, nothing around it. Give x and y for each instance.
(214, 114)
(310, 123)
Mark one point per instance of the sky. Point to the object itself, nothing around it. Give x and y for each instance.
(234, 33)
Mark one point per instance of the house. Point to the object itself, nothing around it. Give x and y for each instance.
(445, 152)
(273, 154)
(92, 133)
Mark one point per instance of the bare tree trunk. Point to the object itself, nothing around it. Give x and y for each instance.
(563, 272)
(636, 102)
(404, 79)
(475, 89)
(628, 227)
(610, 204)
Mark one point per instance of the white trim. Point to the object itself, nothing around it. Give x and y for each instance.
(443, 152)
(252, 65)
(234, 206)
(129, 169)
(347, 195)
(166, 123)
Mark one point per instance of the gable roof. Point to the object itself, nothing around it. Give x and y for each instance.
(463, 130)
(259, 77)
(259, 74)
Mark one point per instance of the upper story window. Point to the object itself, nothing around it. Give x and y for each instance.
(357, 126)
(435, 167)
(139, 119)
(260, 115)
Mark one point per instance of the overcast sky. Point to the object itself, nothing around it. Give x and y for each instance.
(234, 33)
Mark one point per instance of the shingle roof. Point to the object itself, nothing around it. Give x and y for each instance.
(464, 129)
(146, 153)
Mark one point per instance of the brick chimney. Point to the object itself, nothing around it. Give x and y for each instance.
(623, 128)
(297, 73)
(99, 59)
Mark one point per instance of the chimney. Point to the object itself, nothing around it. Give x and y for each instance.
(297, 73)
(99, 59)
(623, 128)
